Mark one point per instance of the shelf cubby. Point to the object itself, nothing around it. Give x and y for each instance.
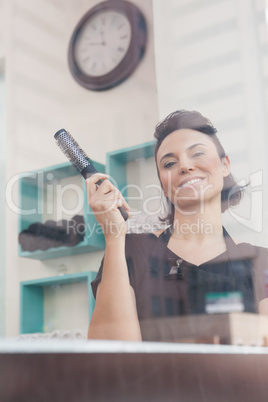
(32, 299)
(32, 203)
(116, 162)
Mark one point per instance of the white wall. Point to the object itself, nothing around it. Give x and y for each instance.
(2, 28)
(43, 97)
(2, 173)
(2, 202)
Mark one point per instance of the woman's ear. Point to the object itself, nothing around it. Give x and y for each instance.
(226, 166)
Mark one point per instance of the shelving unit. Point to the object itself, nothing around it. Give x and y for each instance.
(32, 299)
(32, 187)
(116, 162)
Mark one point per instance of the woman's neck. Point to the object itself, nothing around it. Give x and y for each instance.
(198, 226)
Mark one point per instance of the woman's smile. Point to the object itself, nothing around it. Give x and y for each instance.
(190, 182)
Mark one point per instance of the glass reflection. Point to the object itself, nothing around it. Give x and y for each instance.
(218, 67)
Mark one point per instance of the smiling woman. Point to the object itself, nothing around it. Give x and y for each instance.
(192, 267)
(197, 124)
(193, 173)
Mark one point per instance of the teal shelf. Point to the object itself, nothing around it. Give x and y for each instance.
(116, 162)
(31, 204)
(32, 299)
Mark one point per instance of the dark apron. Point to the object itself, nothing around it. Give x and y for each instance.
(173, 287)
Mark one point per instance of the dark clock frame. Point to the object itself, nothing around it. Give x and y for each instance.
(131, 59)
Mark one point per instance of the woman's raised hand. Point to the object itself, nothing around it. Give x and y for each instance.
(104, 199)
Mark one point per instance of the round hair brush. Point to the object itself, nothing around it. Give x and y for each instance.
(79, 158)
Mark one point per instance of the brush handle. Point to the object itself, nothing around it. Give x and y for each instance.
(89, 171)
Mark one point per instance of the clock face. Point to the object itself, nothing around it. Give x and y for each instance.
(102, 43)
(107, 44)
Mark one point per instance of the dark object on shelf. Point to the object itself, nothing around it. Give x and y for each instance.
(42, 236)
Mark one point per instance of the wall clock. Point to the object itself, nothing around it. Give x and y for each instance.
(107, 44)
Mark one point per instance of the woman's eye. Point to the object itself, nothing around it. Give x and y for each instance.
(199, 153)
(168, 164)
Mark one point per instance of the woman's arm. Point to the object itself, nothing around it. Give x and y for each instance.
(263, 307)
(115, 314)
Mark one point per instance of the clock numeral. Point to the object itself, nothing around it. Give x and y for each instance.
(93, 66)
(120, 26)
(120, 49)
(124, 37)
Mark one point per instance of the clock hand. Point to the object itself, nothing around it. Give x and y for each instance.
(103, 40)
(97, 44)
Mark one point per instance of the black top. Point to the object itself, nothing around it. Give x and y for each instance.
(166, 285)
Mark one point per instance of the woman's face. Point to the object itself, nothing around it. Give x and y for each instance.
(190, 169)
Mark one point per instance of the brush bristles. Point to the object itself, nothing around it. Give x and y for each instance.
(72, 150)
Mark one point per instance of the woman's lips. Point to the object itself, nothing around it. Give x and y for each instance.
(191, 182)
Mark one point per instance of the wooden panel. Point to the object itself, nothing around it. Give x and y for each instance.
(132, 377)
